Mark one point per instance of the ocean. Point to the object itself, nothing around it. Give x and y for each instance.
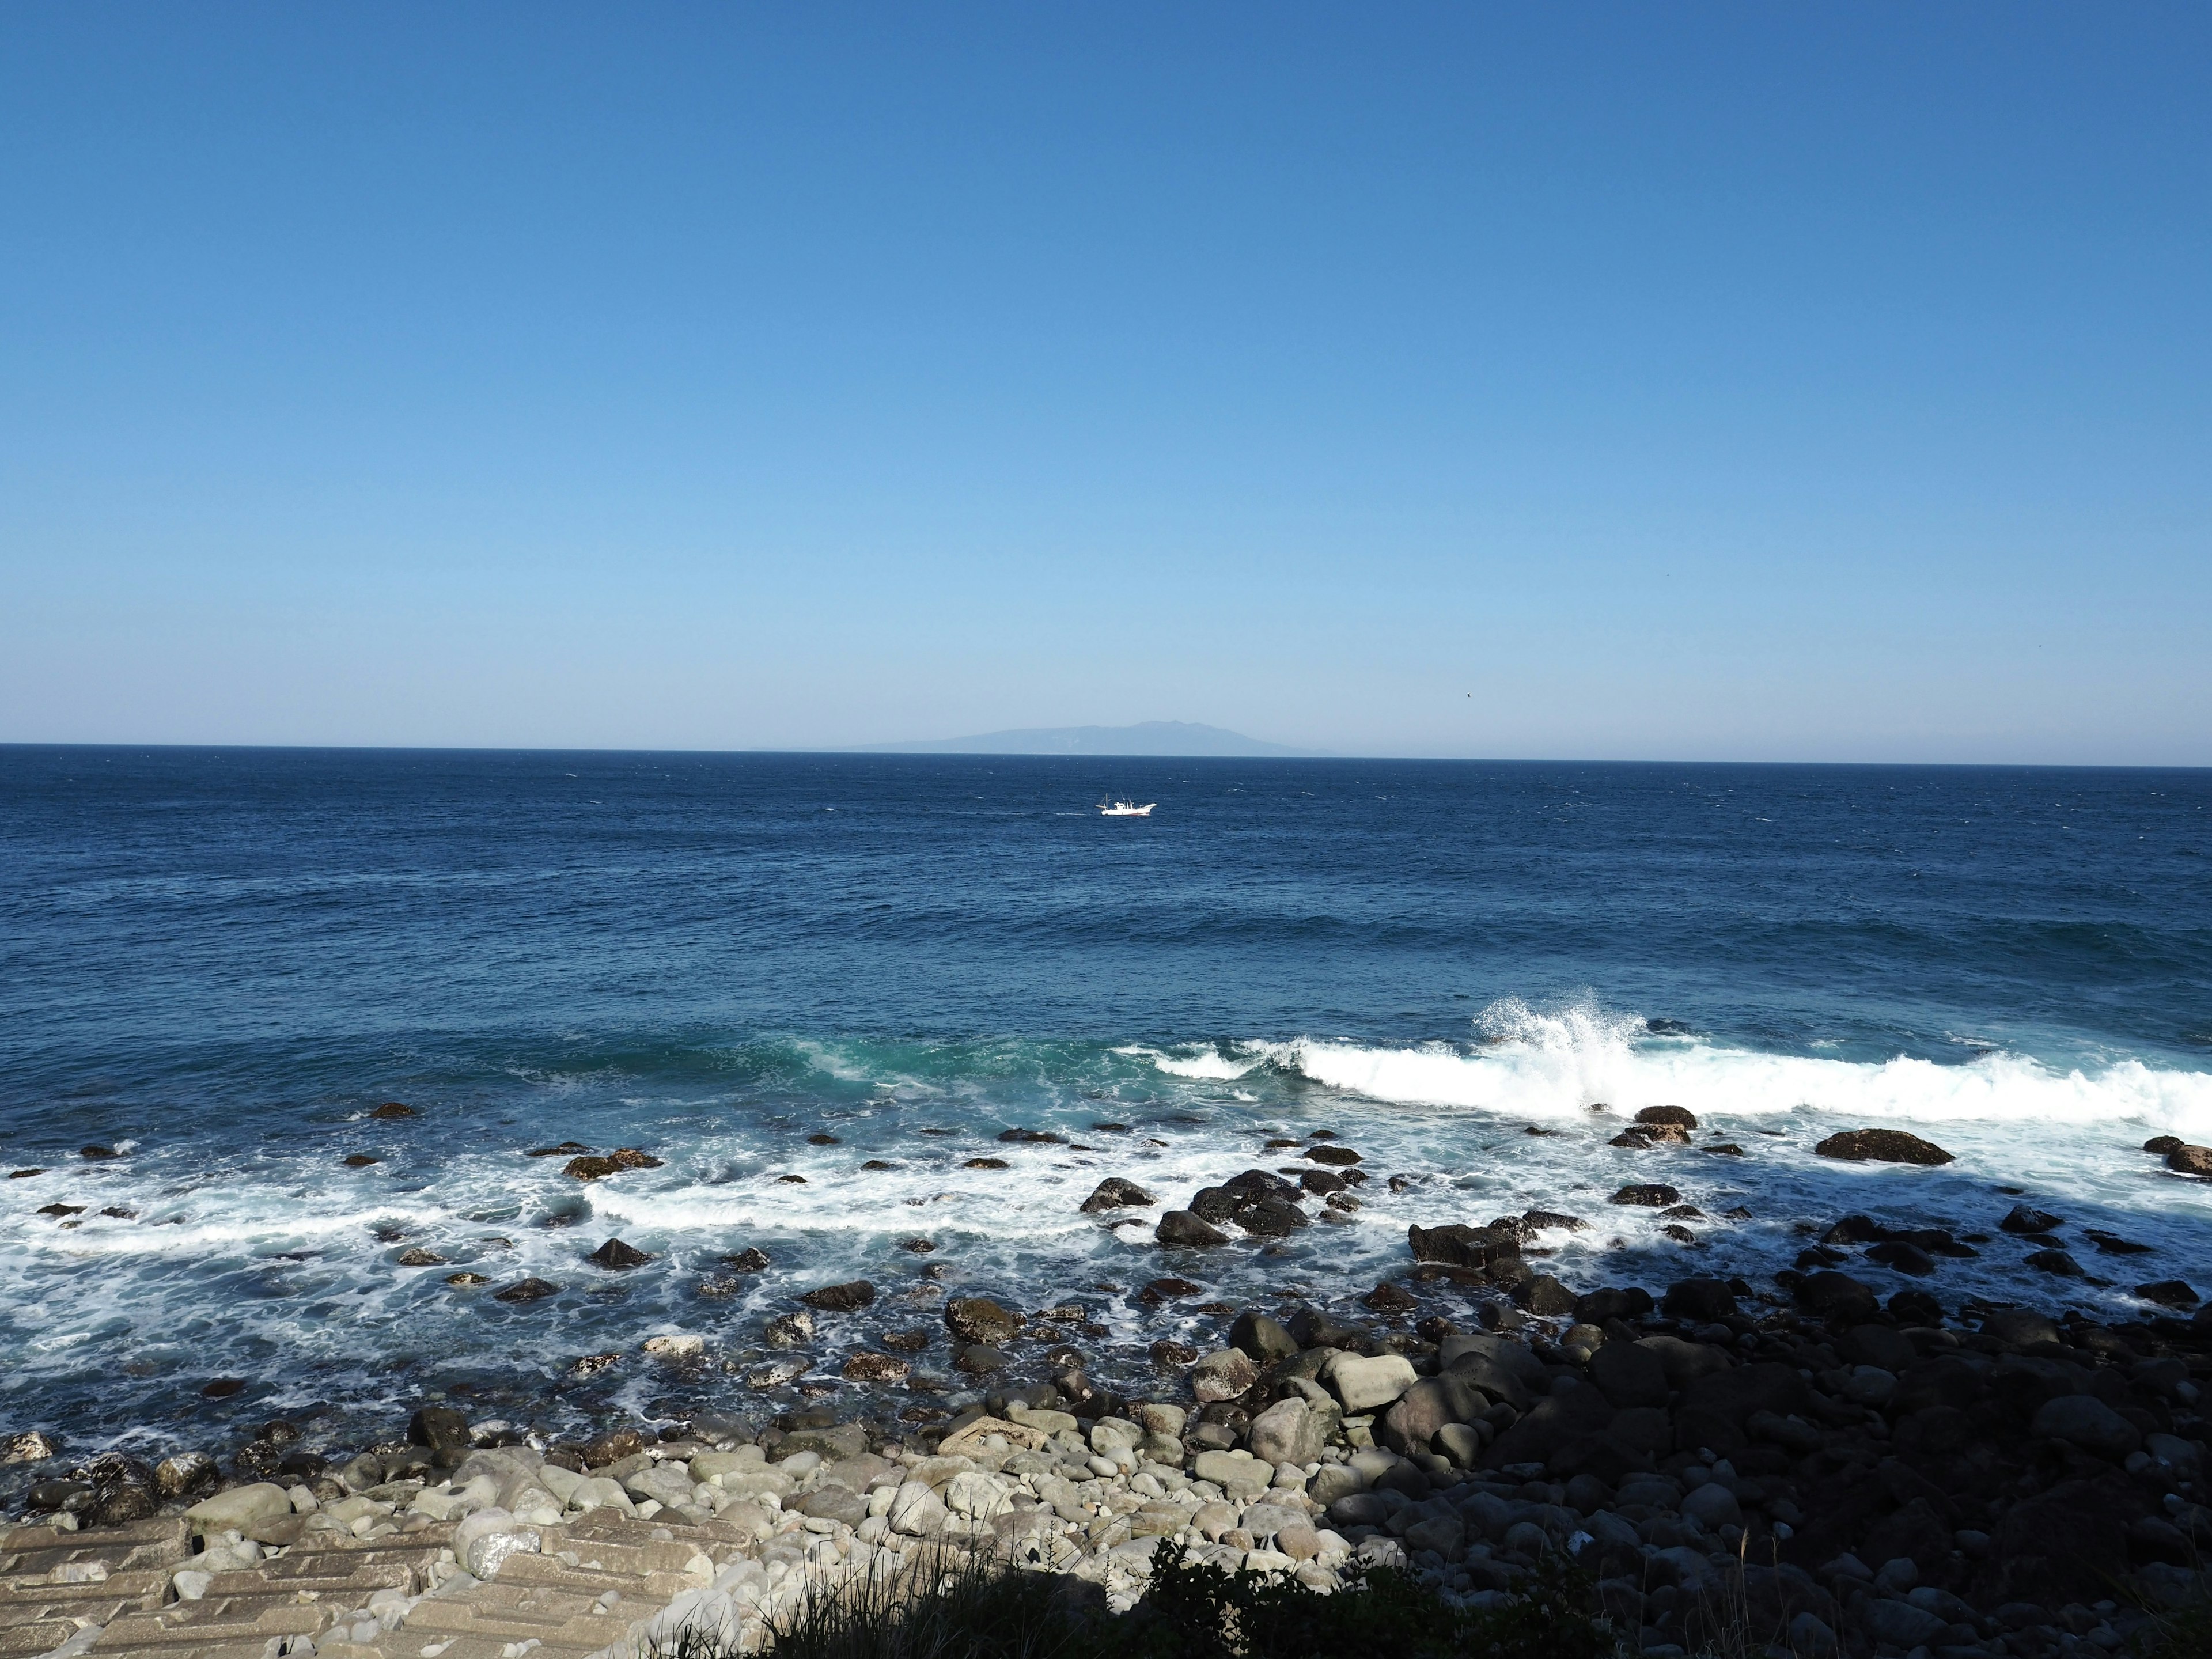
(218, 962)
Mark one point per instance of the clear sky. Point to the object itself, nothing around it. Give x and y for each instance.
(1761, 381)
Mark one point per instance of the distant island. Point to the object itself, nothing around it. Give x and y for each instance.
(1146, 738)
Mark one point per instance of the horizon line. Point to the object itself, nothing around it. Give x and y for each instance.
(1334, 759)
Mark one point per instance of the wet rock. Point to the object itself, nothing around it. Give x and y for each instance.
(978, 1319)
(985, 1164)
(1168, 1290)
(1183, 1227)
(1673, 1117)
(1881, 1147)
(2169, 1293)
(1223, 1374)
(1702, 1300)
(1463, 1246)
(2019, 1327)
(1172, 1354)
(2113, 1244)
(1916, 1308)
(2026, 1218)
(567, 1148)
(1115, 1194)
(747, 1262)
(526, 1289)
(185, 1475)
(1598, 1307)
(443, 1430)
(879, 1163)
(823, 1138)
(616, 1256)
(790, 1330)
(392, 1109)
(1650, 1194)
(2162, 1144)
(465, 1280)
(849, 1298)
(1629, 1375)
(598, 1168)
(1388, 1298)
(979, 1358)
(1544, 1296)
(2191, 1160)
(29, 1447)
(418, 1257)
(97, 1154)
(1836, 1296)
(875, 1367)
(1901, 1257)
(1262, 1339)
(1431, 1405)
(2056, 1262)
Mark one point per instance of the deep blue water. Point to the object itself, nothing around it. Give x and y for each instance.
(217, 960)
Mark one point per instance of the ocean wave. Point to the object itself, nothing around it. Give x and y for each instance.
(1536, 1063)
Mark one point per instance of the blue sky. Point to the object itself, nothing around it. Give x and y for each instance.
(1753, 382)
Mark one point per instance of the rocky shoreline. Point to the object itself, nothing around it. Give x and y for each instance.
(1829, 1469)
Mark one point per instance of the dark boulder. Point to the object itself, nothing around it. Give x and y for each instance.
(615, 1257)
(1336, 1156)
(978, 1319)
(1675, 1118)
(1544, 1296)
(1837, 1297)
(2189, 1160)
(1462, 1246)
(1115, 1194)
(1412, 1420)
(526, 1289)
(2069, 1543)
(2056, 1262)
(1624, 1302)
(2018, 1327)
(1575, 1412)
(444, 1431)
(1629, 1375)
(1901, 1257)
(2162, 1144)
(392, 1109)
(1499, 1366)
(1715, 1409)
(2169, 1293)
(2026, 1218)
(1916, 1308)
(841, 1298)
(747, 1262)
(1262, 1338)
(1184, 1227)
(1703, 1300)
(1649, 1194)
(1881, 1147)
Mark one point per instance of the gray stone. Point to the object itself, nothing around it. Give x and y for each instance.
(1225, 1375)
(1898, 1622)
(1713, 1506)
(1363, 1385)
(2086, 1421)
(1286, 1433)
(1262, 1338)
(1629, 1373)
(1444, 1534)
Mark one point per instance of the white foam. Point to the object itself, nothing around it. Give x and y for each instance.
(1551, 1065)
(1208, 1064)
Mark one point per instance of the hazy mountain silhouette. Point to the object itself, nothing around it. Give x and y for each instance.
(1146, 738)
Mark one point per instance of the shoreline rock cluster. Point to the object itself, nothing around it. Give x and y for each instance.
(1846, 1474)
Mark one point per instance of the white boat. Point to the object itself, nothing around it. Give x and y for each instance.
(1126, 809)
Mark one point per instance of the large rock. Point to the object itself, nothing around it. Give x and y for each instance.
(1576, 1413)
(1364, 1385)
(1543, 1295)
(1629, 1373)
(1115, 1194)
(2191, 1160)
(1714, 1409)
(1410, 1424)
(978, 1319)
(2086, 1421)
(1619, 1303)
(1650, 1194)
(1261, 1337)
(444, 1431)
(1500, 1367)
(1286, 1433)
(616, 1256)
(1224, 1375)
(1463, 1246)
(917, 1512)
(1704, 1300)
(2069, 1543)
(239, 1508)
(841, 1298)
(1183, 1227)
(1881, 1147)
(1837, 1297)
